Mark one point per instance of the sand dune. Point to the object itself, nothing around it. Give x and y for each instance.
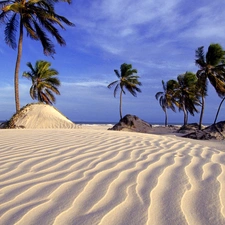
(87, 177)
(40, 116)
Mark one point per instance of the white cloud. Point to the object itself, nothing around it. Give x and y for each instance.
(85, 84)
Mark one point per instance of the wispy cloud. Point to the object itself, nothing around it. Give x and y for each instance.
(85, 84)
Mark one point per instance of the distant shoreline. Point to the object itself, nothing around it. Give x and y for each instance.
(113, 123)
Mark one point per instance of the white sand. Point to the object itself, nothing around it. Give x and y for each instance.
(93, 176)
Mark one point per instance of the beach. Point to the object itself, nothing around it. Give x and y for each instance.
(90, 175)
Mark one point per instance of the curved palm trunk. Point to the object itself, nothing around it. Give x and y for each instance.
(218, 110)
(121, 104)
(17, 68)
(201, 114)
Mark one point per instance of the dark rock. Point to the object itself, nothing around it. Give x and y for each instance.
(132, 123)
(188, 128)
(215, 131)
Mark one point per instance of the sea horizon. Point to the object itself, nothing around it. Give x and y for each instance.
(152, 123)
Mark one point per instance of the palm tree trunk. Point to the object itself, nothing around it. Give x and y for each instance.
(17, 68)
(121, 104)
(218, 110)
(185, 115)
(166, 118)
(201, 114)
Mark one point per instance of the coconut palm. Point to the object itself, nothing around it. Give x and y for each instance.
(127, 80)
(37, 18)
(44, 82)
(166, 98)
(212, 68)
(186, 94)
(218, 110)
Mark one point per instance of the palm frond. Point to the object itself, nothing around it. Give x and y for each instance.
(116, 90)
(117, 73)
(53, 81)
(200, 57)
(50, 96)
(30, 30)
(218, 84)
(28, 75)
(63, 19)
(43, 97)
(158, 94)
(10, 31)
(215, 54)
(33, 93)
(48, 47)
(54, 32)
(113, 84)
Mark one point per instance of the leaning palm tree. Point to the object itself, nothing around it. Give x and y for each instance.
(212, 68)
(37, 18)
(166, 98)
(44, 82)
(127, 80)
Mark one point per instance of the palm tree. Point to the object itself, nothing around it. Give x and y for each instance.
(36, 17)
(218, 110)
(127, 80)
(186, 94)
(212, 68)
(166, 98)
(44, 82)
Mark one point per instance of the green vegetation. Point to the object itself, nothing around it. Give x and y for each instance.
(181, 93)
(127, 80)
(186, 94)
(212, 68)
(44, 82)
(38, 18)
(189, 90)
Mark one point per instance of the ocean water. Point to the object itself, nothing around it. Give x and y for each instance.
(113, 123)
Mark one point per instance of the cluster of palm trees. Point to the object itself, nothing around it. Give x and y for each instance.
(189, 90)
(37, 18)
(180, 93)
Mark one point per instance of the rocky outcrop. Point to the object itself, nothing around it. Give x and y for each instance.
(132, 123)
(188, 128)
(215, 131)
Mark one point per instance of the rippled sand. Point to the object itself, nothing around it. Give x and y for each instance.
(94, 176)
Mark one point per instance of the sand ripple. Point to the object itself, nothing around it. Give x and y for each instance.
(87, 177)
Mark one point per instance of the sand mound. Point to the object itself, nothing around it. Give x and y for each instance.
(39, 116)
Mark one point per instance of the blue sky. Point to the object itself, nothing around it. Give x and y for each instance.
(158, 38)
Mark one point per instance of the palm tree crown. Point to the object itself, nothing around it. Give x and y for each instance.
(37, 17)
(127, 80)
(186, 94)
(44, 82)
(212, 68)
